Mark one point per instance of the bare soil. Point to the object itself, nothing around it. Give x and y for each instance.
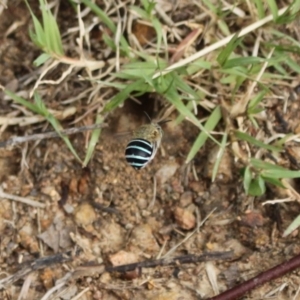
(109, 213)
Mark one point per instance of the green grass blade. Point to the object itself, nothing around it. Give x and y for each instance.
(257, 187)
(136, 70)
(243, 61)
(159, 33)
(293, 226)
(38, 36)
(109, 42)
(55, 124)
(182, 86)
(55, 37)
(108, 22)
(45, 26)
(280, 35)
(117, 85)
(291, 14)
(236, 71)
(293, 65)
(260, 8)
(284, 139)
(93, 141)
(210, 124)
(273, 7)
(198, 65)
(124, 94)
(139, 11)
(213, 9)
(274, 181)
(39, 107)
(263, 165)
(254, 102)
(219, 157)
(281, 174)
(247, 179)
(22, 101)
(41, 59)
(148, 6)
(101, 14)
(223, 26)
(46, 35)
(270, 170)
(227, 51)
(181, 108)
(52, 34)
(248, 138)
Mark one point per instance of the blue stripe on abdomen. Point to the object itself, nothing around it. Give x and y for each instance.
(138, 153)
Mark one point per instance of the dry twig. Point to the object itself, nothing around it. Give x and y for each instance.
(38, 264)
(262, 278)
(24, 200)
(90, 270)
(174, 261)
(53, 134)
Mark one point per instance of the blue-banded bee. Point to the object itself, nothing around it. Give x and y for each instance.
(144, 144)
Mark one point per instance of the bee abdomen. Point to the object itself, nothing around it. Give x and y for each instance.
(138, 153)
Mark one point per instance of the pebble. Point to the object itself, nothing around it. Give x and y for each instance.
(184, 218)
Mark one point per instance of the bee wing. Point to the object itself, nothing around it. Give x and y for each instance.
(122, 135)
(155, 148)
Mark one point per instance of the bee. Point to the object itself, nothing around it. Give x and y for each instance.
(144, 144)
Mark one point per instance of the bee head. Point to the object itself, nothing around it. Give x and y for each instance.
(157, 131)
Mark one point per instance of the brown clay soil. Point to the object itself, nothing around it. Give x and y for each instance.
(110, 214)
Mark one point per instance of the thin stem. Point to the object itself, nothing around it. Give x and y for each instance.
(262, 278)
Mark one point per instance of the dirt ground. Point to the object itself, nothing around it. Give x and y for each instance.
(110, 214)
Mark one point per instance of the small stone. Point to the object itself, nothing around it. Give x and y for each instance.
(166, 172)
(84, 214)
(142, 203)
(184, 218)
(123, 257)
(142, 237)
(234, 245)
(27, 238)
(112, 236)
(253, 219)
(186, 199)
